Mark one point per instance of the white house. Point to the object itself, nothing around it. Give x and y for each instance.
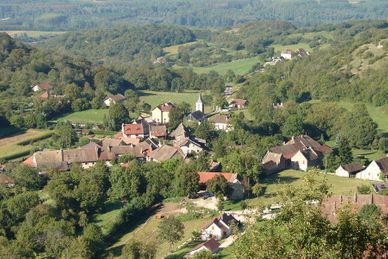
(349, 170)
(304, 159)
(217, 229)
(113, 99)
(287, 54)
(188, 146)
(377, 170)
(41, 86)
(209, 246)
(221, 122)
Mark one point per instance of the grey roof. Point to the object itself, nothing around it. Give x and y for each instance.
(179, 132)
(49, 159)
(80, 155)
(197, 115)
(165, 153)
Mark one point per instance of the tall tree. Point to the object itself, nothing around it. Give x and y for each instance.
(171, 230)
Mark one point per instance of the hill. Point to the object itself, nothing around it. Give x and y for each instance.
(73, 15)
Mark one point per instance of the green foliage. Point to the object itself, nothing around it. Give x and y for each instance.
(171, 229)
(116, 116)
(218, 186)
(344, 151)
(64, 135)
(137, 249)
(364, 189)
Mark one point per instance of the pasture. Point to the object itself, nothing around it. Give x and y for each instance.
(278, 48)
(13, 146)
(273, 183)
(173, 50)
(33, 34)
(239, 66)
(87, 116)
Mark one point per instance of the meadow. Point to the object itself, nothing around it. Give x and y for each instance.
(14, 146)
(278, 48)
(87, 116)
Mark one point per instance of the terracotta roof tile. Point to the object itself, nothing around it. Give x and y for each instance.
(204, 177)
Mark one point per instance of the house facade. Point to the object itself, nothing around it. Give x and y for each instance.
(298, 153)
(113, 99)
(238, 190)
(211, 246)
(135, 130)
(377, 170)
(217, 230)
(221, 122)
(161, 113)
(349, 170)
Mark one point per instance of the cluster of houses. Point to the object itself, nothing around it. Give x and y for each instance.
(218, 229)
(377, 170)
(302, 152)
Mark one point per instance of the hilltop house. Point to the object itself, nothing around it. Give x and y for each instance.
(161, 113)
(349, 170)
(42, 86)
(233, 180)
(211, 246)
(238, 103)
(287, 54)
(298, 153)
(113, 99)
(377, 170)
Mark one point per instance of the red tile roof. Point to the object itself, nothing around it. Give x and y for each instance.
(166, 107)
(45, 95)
(211, 244)
(204, 177)
(29, 162)
(239, 102)
(45, 86)
(158, 131)
(133, 129)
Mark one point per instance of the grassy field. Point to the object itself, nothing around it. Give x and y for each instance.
(147, 233)
(88, 116)
(155, 98)
(240, 66)
(271, 184)
(278, 48)
(172, 50)
(33, 34)
(10, 146)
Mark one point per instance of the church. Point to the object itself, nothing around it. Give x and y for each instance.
(199, 114)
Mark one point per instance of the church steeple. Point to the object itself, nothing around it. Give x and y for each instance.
(199, 106)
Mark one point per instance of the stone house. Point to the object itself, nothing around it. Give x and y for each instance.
(161, 113)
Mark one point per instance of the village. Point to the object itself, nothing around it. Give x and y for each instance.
(147, 139)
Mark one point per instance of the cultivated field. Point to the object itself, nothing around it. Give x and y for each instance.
(278, 48)
(11, 146)
(173, 50)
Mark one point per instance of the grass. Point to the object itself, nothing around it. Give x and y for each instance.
(378, 115)
(87, 116)
(147, 233)
(173, 50)
(278, 48)
(272, 183)
(11, 147)
(155, 98)
(33, 34)
(108, 216)
(239, 66)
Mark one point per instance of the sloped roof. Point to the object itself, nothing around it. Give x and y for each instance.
(158, 130)
(383, 164)
(197, 115)
(29, 162)
(212, 245)
(219, 118)
(353, 167)
(133, 129)
(44, 95)
(49, 158)
(92, 144)
(110, 142)
(239, 102)
(166, 107)
(305, 141)
(227, 218)
(45, 86)
(179, 132)
(121, 150)
(106, 156)
(80, 155)
(288, 150)
(165, 153)
(309, 154)
(117, 97)
(204, 177)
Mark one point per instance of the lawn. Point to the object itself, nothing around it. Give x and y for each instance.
(10, 147)
(108, 216)
(272, 184)
(87, 116)
(33, 34)
(239, 66)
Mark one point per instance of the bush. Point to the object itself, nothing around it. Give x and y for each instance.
(364, 189)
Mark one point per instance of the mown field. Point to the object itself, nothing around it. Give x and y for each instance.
(172, 50)
(87, 116)
(278, 48)
(18, 145)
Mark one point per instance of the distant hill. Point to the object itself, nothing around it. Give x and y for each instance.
(73, 15)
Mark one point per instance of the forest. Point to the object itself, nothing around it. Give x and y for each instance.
(60, 15)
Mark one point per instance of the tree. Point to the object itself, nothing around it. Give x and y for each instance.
(27, 177)
(344, 150)
(293, 126)
(218, 186)
(171, 230)
(139, 250)
(186, 181)
(117, 115)
(64, 135)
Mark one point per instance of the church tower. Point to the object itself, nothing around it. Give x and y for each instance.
(199, 106)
